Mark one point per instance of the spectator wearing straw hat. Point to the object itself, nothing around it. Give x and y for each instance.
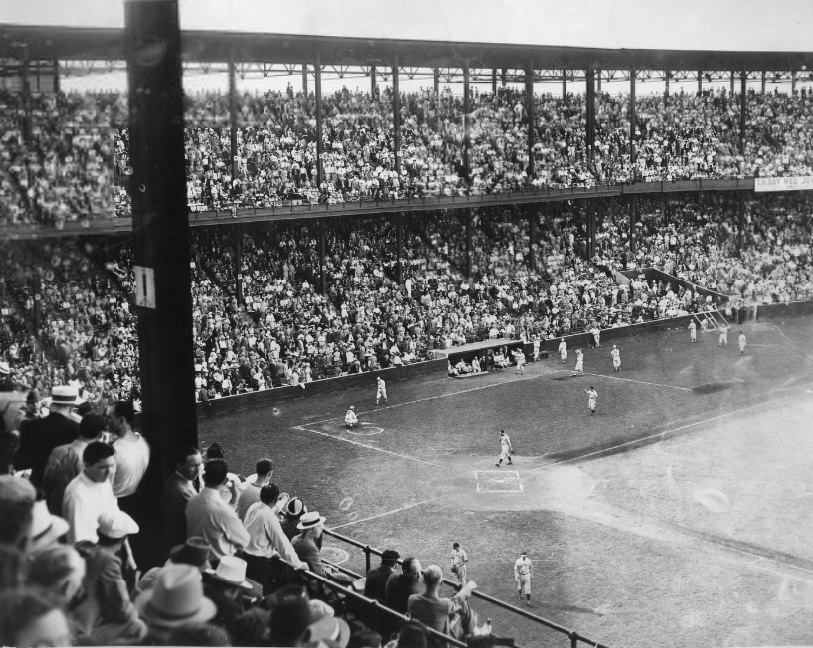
(232, 592)
(195, 552)
(176, 600)
(306, 544)
(39, 437)
(46, 529)
(107, 614)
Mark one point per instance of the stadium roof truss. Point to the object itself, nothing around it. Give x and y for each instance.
(340, 53)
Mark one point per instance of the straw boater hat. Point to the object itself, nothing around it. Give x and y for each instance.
(310, 520)
(64, 395)
(5, 369)
(46, 529)
(176, 599)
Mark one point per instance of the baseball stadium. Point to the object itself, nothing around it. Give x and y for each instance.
(318, 329)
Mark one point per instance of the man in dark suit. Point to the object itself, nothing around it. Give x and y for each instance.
(179, 488)
(40, 436)
(375, 585)
(311, 526)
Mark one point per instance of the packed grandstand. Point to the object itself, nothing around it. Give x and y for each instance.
(269, 311)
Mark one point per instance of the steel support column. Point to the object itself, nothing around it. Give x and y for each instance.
(320, 145)
(25, 80)
(160, 242)
(591, 113)
(503, 77)
(633, 213)
(763, 82)
(396, 116)
(494, 81)
(466, 126)
(56, 75)
(469, 247)
(530, 109)
(399, 245)
(322, 256)
(237, 245)
(532, 234)
(666, 76)
(793, 82)
(699, 81)
(305, 79)
(743, 111)
(740, 220)
(591, 230)
(436, 81)
(564, 84)
(632, 116)
(731, 84)
(598, 81)
(233, 115)
(372, 81)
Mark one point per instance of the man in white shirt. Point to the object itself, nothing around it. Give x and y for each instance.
(132, 450)
(251, 490)
(268, 548)
(90, 494)
(209, 516)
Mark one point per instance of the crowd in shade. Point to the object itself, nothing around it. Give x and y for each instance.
(68, 317)
(65, 157)
(240, 560)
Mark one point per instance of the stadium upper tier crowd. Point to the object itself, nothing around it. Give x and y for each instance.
(68, 318)
(66, 157)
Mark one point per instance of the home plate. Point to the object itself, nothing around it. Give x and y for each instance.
(498, 481)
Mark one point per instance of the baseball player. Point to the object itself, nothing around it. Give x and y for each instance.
(563, 350)
(592, 397)
(505, 449)
(459, 563)
(350, 418)
(382, 390)
(723, 339)
(579, 370)
(523, 572)
(596, 335)
(616, 354)
(693, 331)
(536, 347)
(519, 356)
(741, 342)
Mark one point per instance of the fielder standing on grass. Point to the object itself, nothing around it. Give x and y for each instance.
(460, 562)
(523, 572)
(592, 397)
(616, 354)
(579, 370)
(563, 350)
(505, 449)
(741, 342)
(723, 339)
(382, 390)
(693, 331)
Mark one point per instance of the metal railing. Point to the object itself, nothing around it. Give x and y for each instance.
(574, 637)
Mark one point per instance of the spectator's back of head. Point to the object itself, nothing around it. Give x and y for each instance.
(28, 618)
(125, 410)
(432, 576)
(215, 472)
(12, 567)
(290, 615)
(269, 494)
(91, 426)
(59, 570)
(199, 634)
(16, 510)
(264, 466)
(413, 635)
(96, 451)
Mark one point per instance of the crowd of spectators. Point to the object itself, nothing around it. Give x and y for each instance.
(285, 331)
(65, 157)
(239, 563)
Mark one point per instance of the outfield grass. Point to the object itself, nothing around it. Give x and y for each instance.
(674, 516)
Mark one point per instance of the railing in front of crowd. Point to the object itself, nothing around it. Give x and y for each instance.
(574, 637)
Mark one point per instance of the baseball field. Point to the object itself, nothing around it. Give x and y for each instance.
(676, 515)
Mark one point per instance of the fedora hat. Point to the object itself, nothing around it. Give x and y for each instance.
(46, 529)
(64, 395)
(310, 520)
(176, 599)
(232, 571)
(195, 552)
(329, 629)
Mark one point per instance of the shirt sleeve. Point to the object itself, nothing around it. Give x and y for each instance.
(280, 542)
(82, 519)
(234, 530)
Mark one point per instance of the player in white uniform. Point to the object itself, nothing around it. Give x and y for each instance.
(350, 418)
(460, 563)
(523, 572)
(505, 449)
(519, 356)
(536, 347)
(693, 331)
(579, 370)
(741, 342)
(563, 350)
(596, 335)
(592, 397)
(382, 390)
(616, 354)
(723, 339)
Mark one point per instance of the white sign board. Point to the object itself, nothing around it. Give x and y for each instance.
(787, 183)
(144, 286)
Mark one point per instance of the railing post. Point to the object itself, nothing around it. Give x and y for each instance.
(367, 552)
(574, 639)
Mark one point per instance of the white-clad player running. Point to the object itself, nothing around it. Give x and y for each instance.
(382, 390)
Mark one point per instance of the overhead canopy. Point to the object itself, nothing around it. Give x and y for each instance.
(78, 43)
